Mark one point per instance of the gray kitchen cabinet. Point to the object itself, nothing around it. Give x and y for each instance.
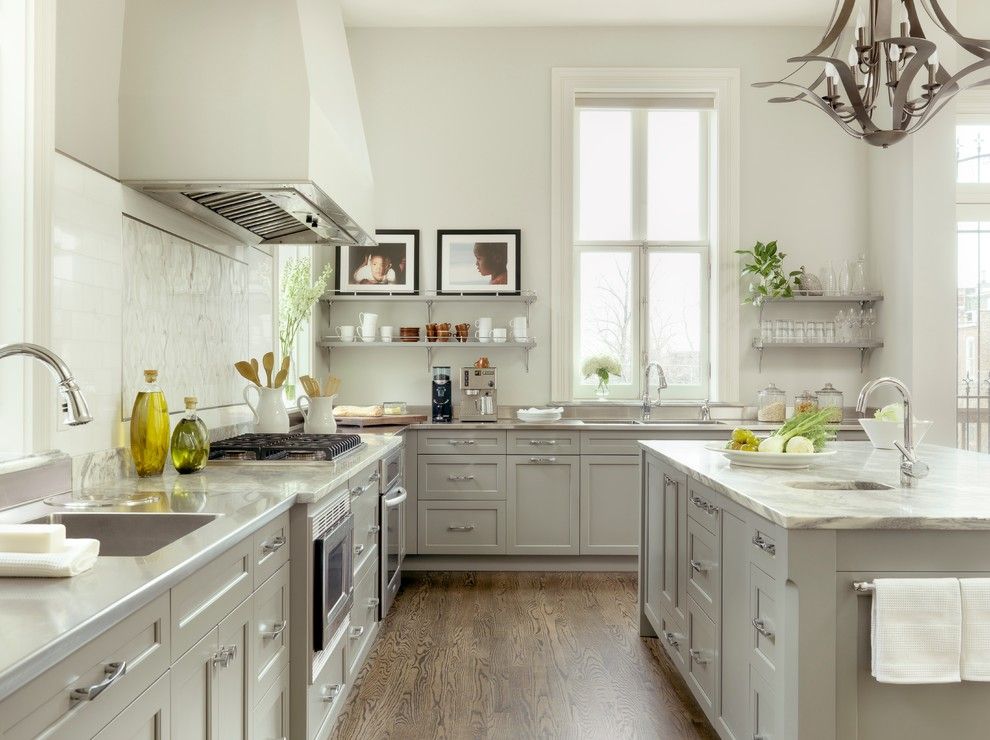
(737, 631)
(542, 505)
(148, 716)
(651, 550)
(610, 504)
(673, 565)
(271, 713)
(236, 677)
(271, 630)
(461, 527)
(193, 691)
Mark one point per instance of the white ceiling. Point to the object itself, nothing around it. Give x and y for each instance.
(462, 13)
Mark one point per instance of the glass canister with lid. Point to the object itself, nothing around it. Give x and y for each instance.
(806, 401)
(771, 404)
(831, 399)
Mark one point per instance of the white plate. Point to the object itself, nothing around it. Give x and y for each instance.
(539, 415)
(777, 460)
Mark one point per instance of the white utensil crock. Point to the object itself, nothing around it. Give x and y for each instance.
(318, 414)
(269, 413)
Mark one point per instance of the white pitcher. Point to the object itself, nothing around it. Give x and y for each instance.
(318, 415)
(269, 414)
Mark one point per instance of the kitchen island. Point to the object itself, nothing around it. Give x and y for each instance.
(746, 576)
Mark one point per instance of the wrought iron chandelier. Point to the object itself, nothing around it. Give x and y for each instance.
(871, 71)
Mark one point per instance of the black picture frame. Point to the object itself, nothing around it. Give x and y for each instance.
(395, 250)
(510, 258)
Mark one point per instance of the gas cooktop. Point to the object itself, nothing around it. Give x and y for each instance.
(285, 447)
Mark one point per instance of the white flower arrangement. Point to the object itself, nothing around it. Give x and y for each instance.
(602, 367)
(297, 299)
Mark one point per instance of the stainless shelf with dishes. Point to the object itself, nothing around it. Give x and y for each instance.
(429, 299)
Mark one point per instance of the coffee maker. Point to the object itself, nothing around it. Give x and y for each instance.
(479, 400)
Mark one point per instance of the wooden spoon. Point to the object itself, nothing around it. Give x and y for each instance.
(311, 387)
(254, 366)
(247, 372)
(332, 385)
(268, 360)
(283, 373)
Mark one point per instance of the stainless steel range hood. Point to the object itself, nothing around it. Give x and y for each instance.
(262, 213)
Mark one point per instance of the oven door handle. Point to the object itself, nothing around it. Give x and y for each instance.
(397, 498)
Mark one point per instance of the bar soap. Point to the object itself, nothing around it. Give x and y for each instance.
(34, 538)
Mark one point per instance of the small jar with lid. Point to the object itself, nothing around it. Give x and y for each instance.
(806, 401)
(831, 399)
(771, 404)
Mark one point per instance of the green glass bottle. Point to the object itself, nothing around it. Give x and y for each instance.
(149, 427)
(190, 441)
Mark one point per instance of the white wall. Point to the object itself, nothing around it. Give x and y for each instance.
(458, 127)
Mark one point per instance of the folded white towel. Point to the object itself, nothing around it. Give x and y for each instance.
(76, 557)
(975, 664)
(916, 630)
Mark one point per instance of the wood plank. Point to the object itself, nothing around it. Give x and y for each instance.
(395, 420)
(518, 655)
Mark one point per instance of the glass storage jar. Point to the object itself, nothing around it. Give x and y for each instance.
(831, 399)
(806, 401)
(771, 404)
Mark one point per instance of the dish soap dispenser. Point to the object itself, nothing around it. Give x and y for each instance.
(149, 427)
(190, 441)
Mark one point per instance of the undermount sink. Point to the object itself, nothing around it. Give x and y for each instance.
(840, 485)
(651, 422)
(128, 534)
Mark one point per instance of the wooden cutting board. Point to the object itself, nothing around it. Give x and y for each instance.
(380, 421)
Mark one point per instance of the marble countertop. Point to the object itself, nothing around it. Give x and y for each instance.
(42, 620)
(954, 496)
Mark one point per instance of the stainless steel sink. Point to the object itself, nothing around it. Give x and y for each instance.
(840, 485)
(128, 534)
(692, 422)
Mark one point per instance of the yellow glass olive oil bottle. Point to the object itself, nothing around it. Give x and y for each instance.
(149, 427)
(190, 441)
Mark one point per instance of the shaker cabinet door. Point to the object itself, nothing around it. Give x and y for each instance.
(542, 505)
(610, 493)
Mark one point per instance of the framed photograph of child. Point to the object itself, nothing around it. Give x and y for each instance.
(478, 261)
(391, 267)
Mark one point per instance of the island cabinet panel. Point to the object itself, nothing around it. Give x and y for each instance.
(736, 630)
(542, 505)
(674, 537)
(652, 551)
(673, 637)
(702, 662)
(703, 568)
(610, 493)
(764, 719)
(145, 717)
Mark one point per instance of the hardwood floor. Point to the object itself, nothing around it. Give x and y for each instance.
(518, 655)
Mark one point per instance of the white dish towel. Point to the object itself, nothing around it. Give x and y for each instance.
(975, 664)
(916, 630)
(77, 557)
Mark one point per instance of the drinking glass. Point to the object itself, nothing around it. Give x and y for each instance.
(798, 335)
(829, 332)
(766, 330)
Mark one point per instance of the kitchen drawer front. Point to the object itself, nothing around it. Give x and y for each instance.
(762, 707)
(673, 637)
(448, 477)
(365, 506)
(462, 527)
(764, 550)
(701, 658)
(271, 713)
(271, 638)
(367, 480)
(763, 615)
(611, 443)
(210, 594)
(702, 568)
(364, 614)
(271, 548)
(703, 506)
(329, 689)
(457, 442)
(147, 716)
(544, 443)
(44, 706)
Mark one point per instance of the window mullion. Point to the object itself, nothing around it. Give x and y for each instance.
(639, 174)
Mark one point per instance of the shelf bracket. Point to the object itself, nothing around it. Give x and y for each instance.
(429, 311)
(760, 350)
(429, 358)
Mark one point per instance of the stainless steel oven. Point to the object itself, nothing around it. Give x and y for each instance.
(392, 545)
(333, 574)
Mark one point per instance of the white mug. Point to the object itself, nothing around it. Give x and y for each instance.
(484, 327)
(519, 328)
(387, 332)
(346, 333)
(368, 334)
(318, 414)
(498, 336)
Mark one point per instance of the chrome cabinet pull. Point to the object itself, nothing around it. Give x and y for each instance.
(460, 527)
(704, 505)
(374, 601)
(374, 529)
(331, 691)
(460, 477)
(358, 549)
(546, 442)
(672, 639)
(761, 736)
(223, 656)
(113, 671)
(276, 544)
(699, 566)
(355, 492)
(462, 441)
(374, 476)
(698, 657)
(761, 626)
(543, 460)
(356, 632)
(277, 629)
(764, 544)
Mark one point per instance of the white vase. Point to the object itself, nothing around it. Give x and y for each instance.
(270, 416)
(318, 414)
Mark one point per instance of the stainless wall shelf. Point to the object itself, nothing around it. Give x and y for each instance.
(332, 344)
(864, 348)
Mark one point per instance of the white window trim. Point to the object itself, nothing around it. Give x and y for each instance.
(723, 86)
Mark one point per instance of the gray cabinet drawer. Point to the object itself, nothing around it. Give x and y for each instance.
(544, 443)
(763, 617)
(701, 658)
(702, 568)
(366, 480)
(271, 713)
(762, 707)
(45, 705)
(460, 477)
(457, 442)
(364, 614)
(147, 716)
(210, 594)
(327, 693)
(365, 500)
(673, 637)
(611, 442)
(462, 527)
(703, 506)
(271, 548)
(271, 638)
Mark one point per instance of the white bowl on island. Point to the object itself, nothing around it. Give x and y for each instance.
(883, 433)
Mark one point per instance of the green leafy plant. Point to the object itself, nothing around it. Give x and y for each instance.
(766, 265)
(297, 299)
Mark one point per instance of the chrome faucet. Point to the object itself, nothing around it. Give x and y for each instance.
(706, 410)
(74, 405)
(911, 467)
(648, 405)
